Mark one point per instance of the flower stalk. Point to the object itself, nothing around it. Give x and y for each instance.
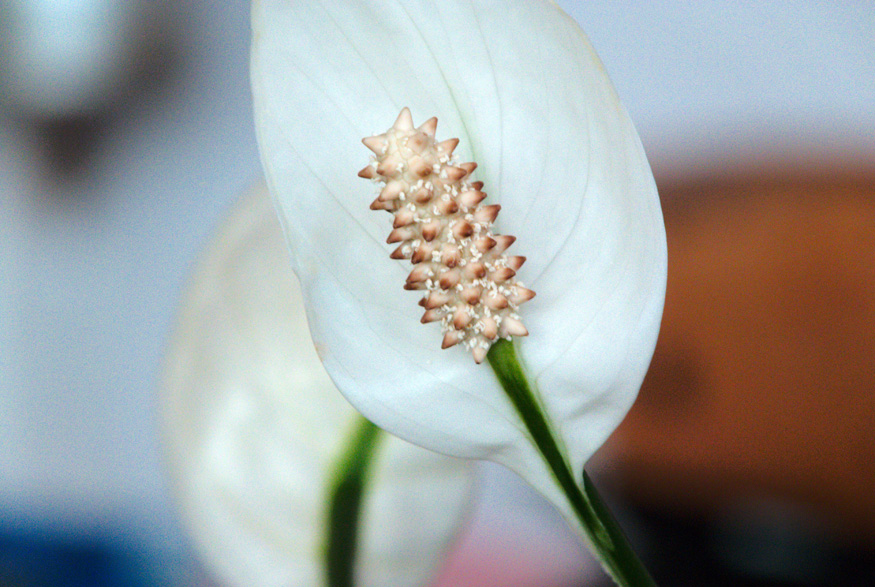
(595, 519)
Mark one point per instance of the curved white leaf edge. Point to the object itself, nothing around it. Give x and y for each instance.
(252, 426)
(519, 84)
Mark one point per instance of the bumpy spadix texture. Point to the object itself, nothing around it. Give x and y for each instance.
(253, 427)
(447, 235)
(520, 85)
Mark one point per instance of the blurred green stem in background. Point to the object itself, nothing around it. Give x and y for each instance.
(345, 503)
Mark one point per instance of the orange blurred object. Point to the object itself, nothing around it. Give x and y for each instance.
(763, 382)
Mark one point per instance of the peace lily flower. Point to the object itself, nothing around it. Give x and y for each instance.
(519, 84)
(262, 449)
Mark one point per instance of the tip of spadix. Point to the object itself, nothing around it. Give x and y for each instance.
(405, 120)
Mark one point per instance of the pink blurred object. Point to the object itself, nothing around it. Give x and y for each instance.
(515, 538)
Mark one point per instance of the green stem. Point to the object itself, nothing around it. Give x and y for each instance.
(607, 538)
(345, 502)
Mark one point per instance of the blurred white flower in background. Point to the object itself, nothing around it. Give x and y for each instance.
(253, 428)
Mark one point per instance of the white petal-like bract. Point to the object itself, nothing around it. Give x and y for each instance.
(519, 84)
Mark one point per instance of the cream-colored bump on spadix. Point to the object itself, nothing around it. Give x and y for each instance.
(442, 228)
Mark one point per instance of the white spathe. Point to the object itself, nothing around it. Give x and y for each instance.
(252, 427)
(520, 85)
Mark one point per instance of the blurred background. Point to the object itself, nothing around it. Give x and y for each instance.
(126, 135)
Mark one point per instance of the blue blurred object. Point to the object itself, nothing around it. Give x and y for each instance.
(94, 563)
(31, 560)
